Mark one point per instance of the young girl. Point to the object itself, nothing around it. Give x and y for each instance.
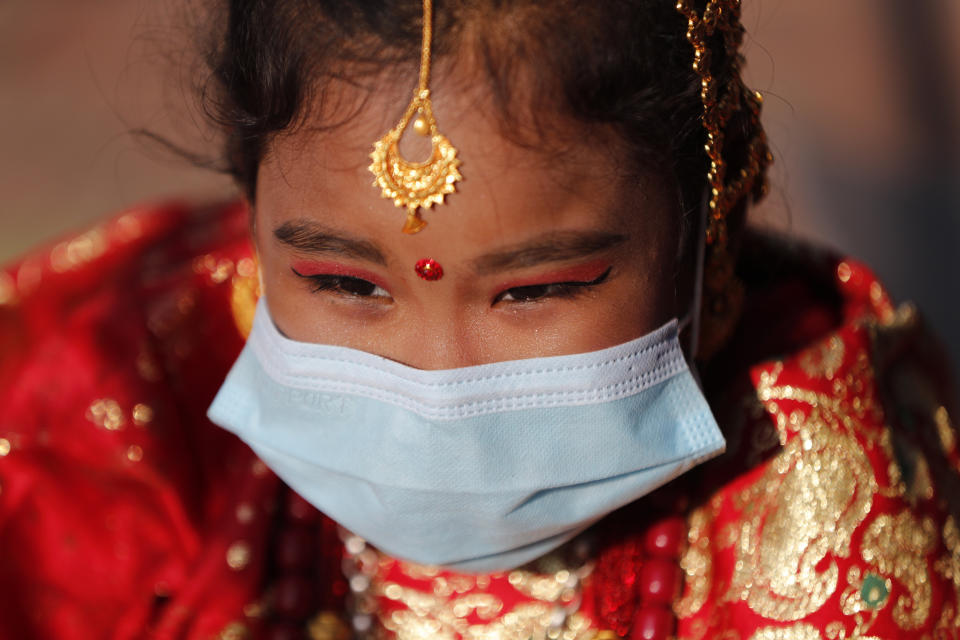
(483, 250)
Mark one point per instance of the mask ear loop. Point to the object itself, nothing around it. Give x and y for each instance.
(691, 319)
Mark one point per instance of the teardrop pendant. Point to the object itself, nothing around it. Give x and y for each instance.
(415, 185)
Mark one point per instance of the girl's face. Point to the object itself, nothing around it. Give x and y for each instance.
(542, 254)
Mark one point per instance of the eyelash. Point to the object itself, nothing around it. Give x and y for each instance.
(342, 285)
(550, 290)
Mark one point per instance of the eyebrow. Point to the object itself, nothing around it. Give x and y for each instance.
(550, 247)
(311, 237)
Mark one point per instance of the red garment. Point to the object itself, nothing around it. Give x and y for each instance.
(125, 514)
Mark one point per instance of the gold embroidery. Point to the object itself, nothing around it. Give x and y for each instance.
(448, 586)
(217, 270)
(948, 438)
(430, 616)
(142, 415)
(77, 252)
(728, 536)
(543, 587)
(456, 606)
(106, 413)
(949, 565)
(805, 509)
(824, 359)
(697, 565)
(419, 571)
(799, 631)
(238, 556)
(898, 546)
(837, 631)
(948, 623)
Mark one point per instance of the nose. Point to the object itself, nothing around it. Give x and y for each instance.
(434, 344)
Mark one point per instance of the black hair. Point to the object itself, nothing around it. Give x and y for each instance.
(623, 64)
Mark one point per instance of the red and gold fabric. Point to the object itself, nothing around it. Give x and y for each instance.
(125, 514)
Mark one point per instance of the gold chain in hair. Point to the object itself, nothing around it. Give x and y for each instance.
(416, 185)
(720, 102)
(723, 95)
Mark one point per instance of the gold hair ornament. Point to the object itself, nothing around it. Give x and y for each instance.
(723, 293)
(416, 185)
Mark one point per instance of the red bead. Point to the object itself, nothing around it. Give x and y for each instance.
(284, 631)
(659, 581)
(665, 538)
(339, 588)
(294, 597)
(299, 510)
(296, 547)
(653, 623)
(429, 269)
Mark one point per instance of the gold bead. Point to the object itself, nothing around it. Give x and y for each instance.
(420, 126)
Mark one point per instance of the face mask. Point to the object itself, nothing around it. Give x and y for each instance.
(479, 469)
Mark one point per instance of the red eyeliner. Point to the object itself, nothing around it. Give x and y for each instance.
(310, 268)
(580, 273)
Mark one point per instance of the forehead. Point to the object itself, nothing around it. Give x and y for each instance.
(520, 177)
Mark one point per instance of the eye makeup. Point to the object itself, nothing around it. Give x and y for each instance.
(310, 268)
(585, 273)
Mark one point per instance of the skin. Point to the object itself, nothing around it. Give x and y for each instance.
(521, 217)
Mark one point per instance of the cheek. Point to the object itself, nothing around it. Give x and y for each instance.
(640, 302)
(284, 296)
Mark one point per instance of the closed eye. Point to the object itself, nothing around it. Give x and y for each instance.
(344, 285)
(535, 292)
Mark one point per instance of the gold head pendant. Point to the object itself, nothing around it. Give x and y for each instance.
(417, 185)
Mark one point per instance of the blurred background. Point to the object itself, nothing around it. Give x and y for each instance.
(862, 108)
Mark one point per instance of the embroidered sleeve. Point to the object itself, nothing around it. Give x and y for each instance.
(839, 528)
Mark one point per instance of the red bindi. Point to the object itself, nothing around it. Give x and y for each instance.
(429, 269)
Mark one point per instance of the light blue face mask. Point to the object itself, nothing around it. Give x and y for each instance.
(478, 469)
